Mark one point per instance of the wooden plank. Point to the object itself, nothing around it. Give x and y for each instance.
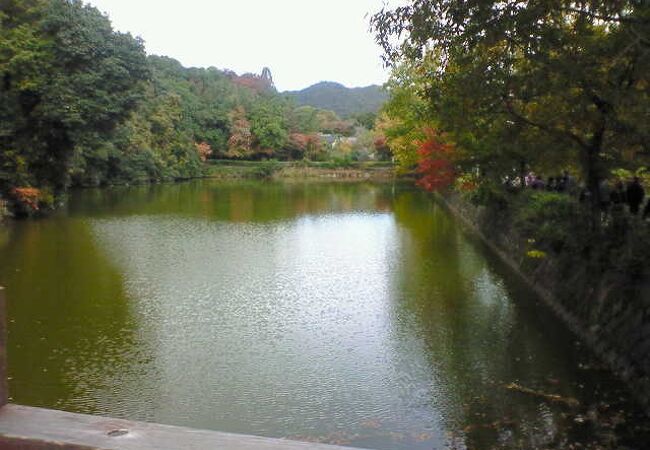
(44, 429)
(4, 394)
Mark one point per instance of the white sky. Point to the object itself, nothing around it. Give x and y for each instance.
(301, 41)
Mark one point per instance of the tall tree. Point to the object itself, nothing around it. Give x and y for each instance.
(268, 124)
(67, 80)
(560, 78)
(240, 142)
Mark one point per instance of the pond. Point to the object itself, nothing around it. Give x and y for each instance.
(347, 313)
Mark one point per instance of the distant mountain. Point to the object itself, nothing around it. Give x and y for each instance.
(340, 99)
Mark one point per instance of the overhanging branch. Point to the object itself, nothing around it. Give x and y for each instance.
(544, 127)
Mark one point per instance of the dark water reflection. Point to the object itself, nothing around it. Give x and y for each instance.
(344, 313)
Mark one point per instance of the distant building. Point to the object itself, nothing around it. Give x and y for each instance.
(329, 139)
(348, 140)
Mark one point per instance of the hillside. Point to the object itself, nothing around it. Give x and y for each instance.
(340, 99)
(96, 110)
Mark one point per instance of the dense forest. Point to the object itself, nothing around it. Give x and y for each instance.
(82, 104)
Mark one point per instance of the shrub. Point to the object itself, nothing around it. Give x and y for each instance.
(29, 201)
(266, 169)
(552, 219)
(487, 194)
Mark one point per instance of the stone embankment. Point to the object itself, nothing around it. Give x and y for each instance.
(609, 312)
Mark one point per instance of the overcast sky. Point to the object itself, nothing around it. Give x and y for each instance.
(301, 41)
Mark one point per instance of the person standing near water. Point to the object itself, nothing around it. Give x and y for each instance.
(635, 194)
(618, 197)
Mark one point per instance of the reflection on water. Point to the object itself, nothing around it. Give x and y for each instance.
(342, 313)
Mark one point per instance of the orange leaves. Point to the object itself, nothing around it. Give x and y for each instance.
(27, 197)
(435, 165)
(204, 150)
(253, 82)
(380, 142)
(304, 141)
(241, 137)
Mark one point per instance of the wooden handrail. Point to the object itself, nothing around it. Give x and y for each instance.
(4, 394)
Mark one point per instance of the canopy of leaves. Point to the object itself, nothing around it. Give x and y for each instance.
(546, 82)
(435, 164)
(67, 79)
(82, 104)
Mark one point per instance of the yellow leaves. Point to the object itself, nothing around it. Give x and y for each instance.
(536, 254)
(401, 139)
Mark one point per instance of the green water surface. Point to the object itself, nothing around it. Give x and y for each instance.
(355, 314)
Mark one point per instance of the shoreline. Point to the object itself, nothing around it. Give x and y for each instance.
(618, 349)
(257, 170)
(289, 170)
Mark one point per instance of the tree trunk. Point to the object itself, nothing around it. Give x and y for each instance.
(593, 174)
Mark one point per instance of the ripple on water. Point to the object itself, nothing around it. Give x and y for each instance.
(356, 315)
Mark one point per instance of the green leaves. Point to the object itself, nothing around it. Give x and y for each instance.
(68, 80)
(547, 83)
(81, 104)
(268, 124)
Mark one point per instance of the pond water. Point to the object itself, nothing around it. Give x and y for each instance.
(354, 314)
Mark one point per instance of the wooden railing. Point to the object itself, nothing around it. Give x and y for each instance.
(4, 391)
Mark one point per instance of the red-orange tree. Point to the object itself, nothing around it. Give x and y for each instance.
(435, 162)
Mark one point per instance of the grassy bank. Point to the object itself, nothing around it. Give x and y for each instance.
(228, 169)
(334, 170)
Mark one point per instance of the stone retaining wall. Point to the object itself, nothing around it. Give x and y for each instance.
(609, 314)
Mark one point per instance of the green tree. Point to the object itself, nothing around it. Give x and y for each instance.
(268, 124)
(303, 119)
(405, 116)
(551, 79)
(68, 80)
(366, 119)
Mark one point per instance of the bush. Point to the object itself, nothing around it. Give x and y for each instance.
(266, 169)
(489, 195)
(552, 219)
(342, 162)
(28, 201)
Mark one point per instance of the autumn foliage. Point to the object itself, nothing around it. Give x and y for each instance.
(435, 162)
(381, 147)
(304, 141)
(304, 145)
(27, 197)
(252, 82)
(204, 150)
(241, 137)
